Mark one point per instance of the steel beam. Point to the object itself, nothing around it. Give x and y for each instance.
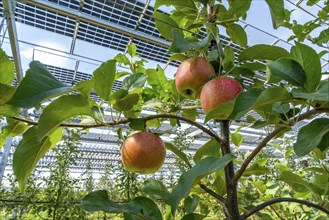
(138, 23)
(9, 10)
(96, 21)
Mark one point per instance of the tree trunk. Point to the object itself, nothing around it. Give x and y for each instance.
(231, 201)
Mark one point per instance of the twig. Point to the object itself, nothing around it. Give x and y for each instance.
(124, 121)
(270, 202)
(269, 137)
(190, 107)
(276, 213)
(29, 202)
(212, 193)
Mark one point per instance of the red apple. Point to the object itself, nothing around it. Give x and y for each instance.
(191, 75)
(143, 152)
(217, 91)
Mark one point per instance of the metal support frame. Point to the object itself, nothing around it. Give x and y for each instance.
(3, 30)
(4, 157)
(75, 71)
(96, 21)
(9, 10)
(76, 28)
(138, 23)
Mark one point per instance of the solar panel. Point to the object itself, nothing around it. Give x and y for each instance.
(44, 19)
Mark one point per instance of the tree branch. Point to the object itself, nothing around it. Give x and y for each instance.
(190, 107)
(125, 121)
(269, 137)
(270, 202)
(212, 193)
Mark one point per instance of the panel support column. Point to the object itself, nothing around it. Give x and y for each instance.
(4, 157)
(9, 9)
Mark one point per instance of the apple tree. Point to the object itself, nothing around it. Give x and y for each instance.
(279, 87)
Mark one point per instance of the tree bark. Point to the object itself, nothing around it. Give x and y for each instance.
(231, 202)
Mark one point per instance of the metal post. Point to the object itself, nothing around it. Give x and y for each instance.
(3, 30)
(9, 9)
(4, 157)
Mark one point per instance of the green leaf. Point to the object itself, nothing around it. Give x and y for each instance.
(211, 148)
(260, 186)
(320, 95)
(156, 78)
(132, 50)
(309, 136)
(156, 189)
(180, 45)
(228, 61)
(288, 70)
(97, 113)
(8, 110)
(191, 114)
(191, 203)
(120, 58)
(213, 29)
(309, 59)
(239, 7)
(30, 150)
(60, 110)
(237, 34)
(324, 144)
(256, 170)
(6, 92)
(134, 81)
(187, 179)
(165, 24)
(13, 129)
(236, 139)
(312, 2)
(239, 72)
(154, 123)
(104, 79)
(321, 181)
(119, 94)
(219, 184)
(138, 208)
(244, 102)
(294, 181)
(277, 12)
(253, 66)
(272, 95)
(178, 56)
(7, 73)
(118, 75)
(137, 124)
(153, 103)
(222, 111)
(193, 216)
(263, 52)
(99, 201)
(37, 85)
(147, 209)
(179, 153)
(126, 103)
(298, 184)
(184, 4)
(322, 38)
(85, 87)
